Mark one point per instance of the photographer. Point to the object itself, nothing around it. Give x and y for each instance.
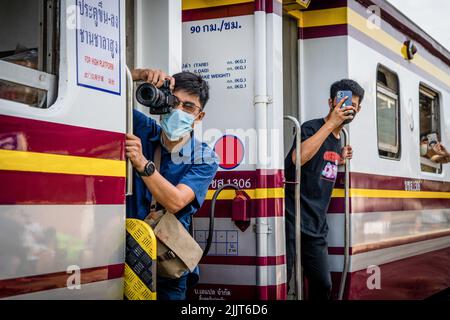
(321, 154)
(179, 186)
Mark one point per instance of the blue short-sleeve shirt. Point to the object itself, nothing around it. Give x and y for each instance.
(195, 165)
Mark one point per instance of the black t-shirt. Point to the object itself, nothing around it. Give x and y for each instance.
(318, 176)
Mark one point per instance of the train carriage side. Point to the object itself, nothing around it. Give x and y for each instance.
(399, 204)
(62, 165)
(236, 46)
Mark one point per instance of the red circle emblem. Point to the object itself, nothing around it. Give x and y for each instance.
(230, 151)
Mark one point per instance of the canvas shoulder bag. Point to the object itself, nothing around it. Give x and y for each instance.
(177, 251)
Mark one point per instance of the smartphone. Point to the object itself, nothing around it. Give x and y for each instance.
(341, 94)
(347, 103)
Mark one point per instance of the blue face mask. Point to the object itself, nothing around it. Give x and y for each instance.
(177, 124)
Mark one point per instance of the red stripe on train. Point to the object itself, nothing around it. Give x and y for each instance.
(257, 208)
(274, 207)
(367, 205)
(322, 31)
(245, 260)
(233, 10)
(389, 243)
(57, 280)
(47, 137)
(237, 292)
(376, 181)
(273, 178)
(19, 187)
(415, 277)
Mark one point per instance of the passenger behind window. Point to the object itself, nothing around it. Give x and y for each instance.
(433, 150)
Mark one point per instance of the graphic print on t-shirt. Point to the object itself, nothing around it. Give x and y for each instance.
(331, 168)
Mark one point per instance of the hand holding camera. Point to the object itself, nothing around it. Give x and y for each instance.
(156, 92)
(155, 77)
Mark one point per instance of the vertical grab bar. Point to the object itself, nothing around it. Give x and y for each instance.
(347, 222)
(298, 258)
(129, 129)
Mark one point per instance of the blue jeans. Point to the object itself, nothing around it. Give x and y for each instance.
(172, 289)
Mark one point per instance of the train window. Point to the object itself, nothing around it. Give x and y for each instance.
(28, 51)
(388, 114)
(430, 128)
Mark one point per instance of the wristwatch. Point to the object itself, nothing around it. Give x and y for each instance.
(149, 169)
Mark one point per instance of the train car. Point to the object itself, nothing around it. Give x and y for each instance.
(391, 237)
(63, 117)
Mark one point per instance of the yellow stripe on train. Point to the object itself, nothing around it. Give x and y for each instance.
(56, 163)
(338, 16)
(258, 193)
(392, 194)
(276, 193)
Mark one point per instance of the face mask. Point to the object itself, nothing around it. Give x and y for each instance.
(423, 149)
(177, 124)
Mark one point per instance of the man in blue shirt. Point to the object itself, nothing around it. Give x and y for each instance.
(187, 165)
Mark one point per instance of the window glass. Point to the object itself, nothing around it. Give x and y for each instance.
(430, 130)
(388, 109)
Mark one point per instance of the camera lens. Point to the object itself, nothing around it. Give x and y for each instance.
(147, 94)
(150, 96)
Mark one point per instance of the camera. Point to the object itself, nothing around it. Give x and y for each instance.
(159, 100)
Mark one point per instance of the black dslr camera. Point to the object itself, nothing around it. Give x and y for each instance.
(159, 100)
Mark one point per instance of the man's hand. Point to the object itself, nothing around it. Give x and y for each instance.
(346, 153)
(133, 148)
(338, 115)
(155, 77)
(440, 149)
(442, 155)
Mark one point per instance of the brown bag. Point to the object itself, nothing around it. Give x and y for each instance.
(177, 251)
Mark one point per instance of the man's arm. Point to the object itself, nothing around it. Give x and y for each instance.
(173, 198)
(311, 146)
(155, 77)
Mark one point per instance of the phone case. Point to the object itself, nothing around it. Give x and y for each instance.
(342, 94)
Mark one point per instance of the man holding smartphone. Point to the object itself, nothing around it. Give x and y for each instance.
(321, 154)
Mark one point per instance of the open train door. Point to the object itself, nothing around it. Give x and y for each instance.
(237, 47)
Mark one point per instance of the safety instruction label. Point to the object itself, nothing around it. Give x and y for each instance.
(224, 242)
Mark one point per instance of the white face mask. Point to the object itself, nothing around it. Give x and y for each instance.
(423, 149)
(177, 124)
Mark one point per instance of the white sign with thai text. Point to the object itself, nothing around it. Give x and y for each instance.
(98, 45)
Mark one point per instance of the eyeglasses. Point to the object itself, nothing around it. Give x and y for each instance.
(187, 106)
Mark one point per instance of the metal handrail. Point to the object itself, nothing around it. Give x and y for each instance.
(298, 259)
(129, 129)
(347, 221)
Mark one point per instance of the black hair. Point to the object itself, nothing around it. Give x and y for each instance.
(192, 84)
(347, 84)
